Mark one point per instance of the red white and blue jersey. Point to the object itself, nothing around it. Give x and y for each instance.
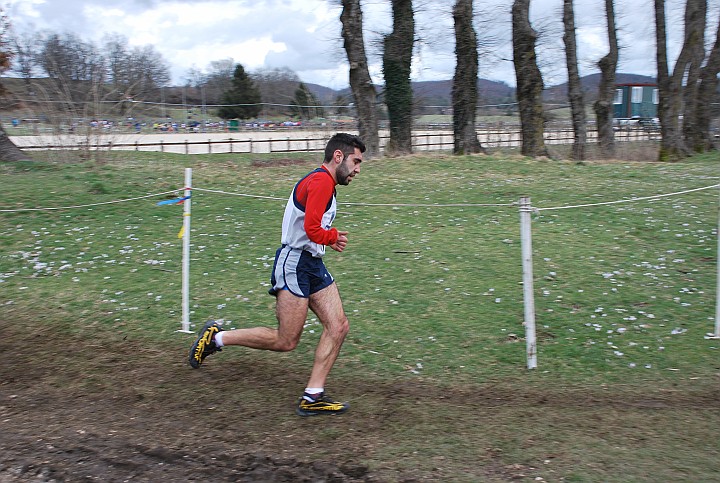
(310, 212)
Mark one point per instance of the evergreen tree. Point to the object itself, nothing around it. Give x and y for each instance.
(305, 104)
(243, 99)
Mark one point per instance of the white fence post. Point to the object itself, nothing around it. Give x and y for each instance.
(528, 290)
(186, 254)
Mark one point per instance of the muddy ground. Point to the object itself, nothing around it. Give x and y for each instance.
(108, 408)
(80, 410)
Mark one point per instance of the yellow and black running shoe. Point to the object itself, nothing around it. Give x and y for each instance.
(320, 404)
(205, 344)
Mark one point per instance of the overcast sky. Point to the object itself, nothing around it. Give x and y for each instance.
(304, 35)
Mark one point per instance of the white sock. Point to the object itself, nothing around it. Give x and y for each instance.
(218, 339)
(313, 391)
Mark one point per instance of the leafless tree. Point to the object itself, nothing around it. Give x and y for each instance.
(670, 108)
(575, 94)
(73, 67)
(218, 79)
(195, 77)
(9, 152)
(695, 19)
(606, 90)
(397, 61)
(701, 140)
(133, 73)
(80, 83)
(277, 88)
(26, 47)
(361, 85)
(529, 80)
(116, 56)
(464, 90)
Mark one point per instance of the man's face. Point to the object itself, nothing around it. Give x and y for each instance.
(350, 166)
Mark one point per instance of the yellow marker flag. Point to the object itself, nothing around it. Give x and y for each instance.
(182, 230)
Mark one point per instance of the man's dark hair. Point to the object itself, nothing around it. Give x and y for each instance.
(344, 142)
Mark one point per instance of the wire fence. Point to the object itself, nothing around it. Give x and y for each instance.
(257, 142)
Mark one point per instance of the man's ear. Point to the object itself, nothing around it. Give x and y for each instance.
(338, 156)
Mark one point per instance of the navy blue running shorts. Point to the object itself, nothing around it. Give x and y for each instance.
(299, 272)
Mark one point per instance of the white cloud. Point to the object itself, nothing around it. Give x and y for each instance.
(304, 35)
(251, 53)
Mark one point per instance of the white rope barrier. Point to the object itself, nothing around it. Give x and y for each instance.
(391, 205)
(430, 205)
(525, 227)
(399, 205)
(526, 247)
(240, 194)
(17, 210)
(643, 198)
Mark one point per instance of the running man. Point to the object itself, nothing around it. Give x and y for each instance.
(300, 280)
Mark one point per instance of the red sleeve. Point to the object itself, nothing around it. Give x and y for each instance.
(320, 189)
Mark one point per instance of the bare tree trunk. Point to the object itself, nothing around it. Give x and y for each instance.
(695, 21)
(464, 90)
(8, 151)
(361, 85)
(672, 146)
(529, 81)
(606, 90)
(702, 140)
(664, 85)
(397, 60)
(575, 94)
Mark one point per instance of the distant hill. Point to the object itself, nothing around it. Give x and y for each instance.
(326, 95)
(590, 84)
(428, 93)
(439, 93)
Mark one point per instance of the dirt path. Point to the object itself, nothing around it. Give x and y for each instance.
(79, 411)
(108, 408)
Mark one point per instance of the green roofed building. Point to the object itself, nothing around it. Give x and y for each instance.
(636, 101)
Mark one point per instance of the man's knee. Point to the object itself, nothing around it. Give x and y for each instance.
(340, 328)
(286, 345)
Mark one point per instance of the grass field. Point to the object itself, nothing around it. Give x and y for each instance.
(627, 384)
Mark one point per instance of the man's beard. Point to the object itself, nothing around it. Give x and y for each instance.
(342, 174)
